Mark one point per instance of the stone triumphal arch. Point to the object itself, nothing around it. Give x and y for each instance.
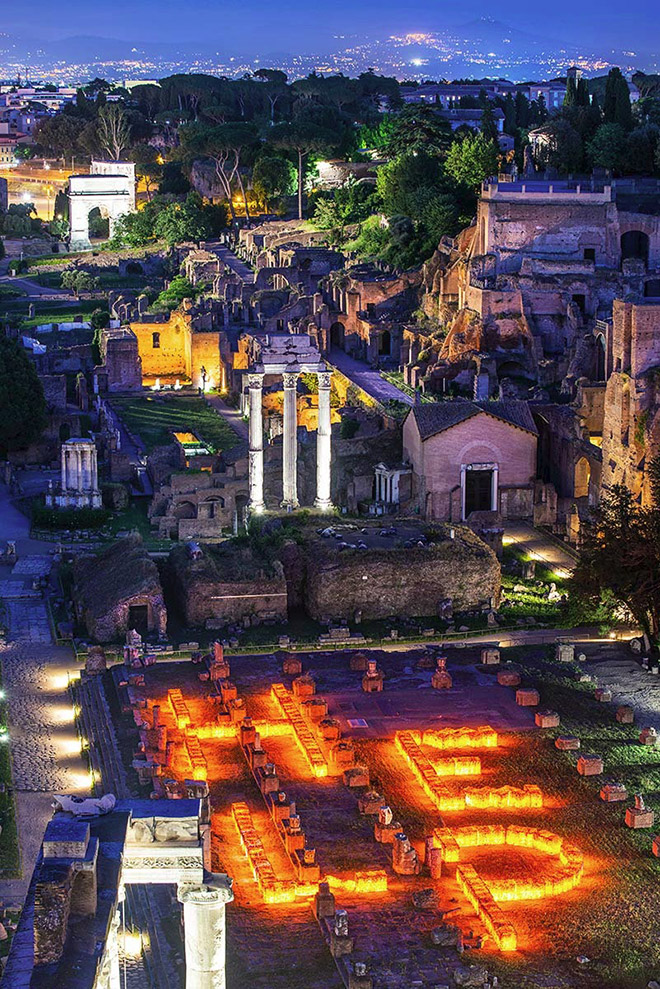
(109, 187)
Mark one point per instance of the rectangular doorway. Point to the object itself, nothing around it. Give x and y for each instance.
(478, 491)
(138, 618)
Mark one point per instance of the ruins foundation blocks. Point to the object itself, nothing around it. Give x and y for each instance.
(625, 714)
(508, 678)
(546, 719)
(527, 697)
(590, 765)
(567, 743)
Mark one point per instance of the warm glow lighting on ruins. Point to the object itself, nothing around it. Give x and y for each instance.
(272, 889)
(427, 773)
(483, 895)
(179, 708)
(302, 734)
(196, 756)
(374, 881)
(484, 737)
(61, 714)
(132, 944)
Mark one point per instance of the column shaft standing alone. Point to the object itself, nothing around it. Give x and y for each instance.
(204, 928)
(323, 444)
(256, 455)
(290, 450)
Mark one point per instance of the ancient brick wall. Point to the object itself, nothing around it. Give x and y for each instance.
(401, 582)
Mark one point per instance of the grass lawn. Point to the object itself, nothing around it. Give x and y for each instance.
(153, 419)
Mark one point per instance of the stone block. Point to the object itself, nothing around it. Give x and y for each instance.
(314, 709)
(527, 697)
(292, 665)
(590, 765)
(384, 833)
(567, 743)
(370, 802)
(603, 694)
(546, 719)
(324, 902)
(648, 736)
(565, 652)
(303, 687)
(358, 662)
(508, 678)
(655, 848)
(447, 936)
(639, 818)
(330, 729)
(357, 776)
(490, 656)
(613, 792)
(340, 944)
(441, 680)
(625, 714)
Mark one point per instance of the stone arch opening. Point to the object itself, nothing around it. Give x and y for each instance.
(652, 288)
(110, 188)
(98, 224)
(185, 510)
(241, 510)
(581, 478)
(211, 508)
(600, 357)
(635, 245)
(337, 332)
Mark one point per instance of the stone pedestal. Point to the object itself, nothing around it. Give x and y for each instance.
(527, 697)
(404, 856)
(603, 695)
(490, 656)
(303, 687)
(565, 652)
(508, 678)
(567, 743)
(625, 715)
(613, 792)
(649, 736)
(291, 665)
(590, 765)
(324, 902)
(546, 719)
(358, 662)
(204, 926)
(636, 818)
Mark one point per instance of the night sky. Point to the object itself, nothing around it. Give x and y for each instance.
(253, 26)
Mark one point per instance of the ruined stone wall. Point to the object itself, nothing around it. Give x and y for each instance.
(409, 582)
(631, 420)
(173, 355)
(548, 227)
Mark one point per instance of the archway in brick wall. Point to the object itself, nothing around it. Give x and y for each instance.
(581, 478)
(635, 245)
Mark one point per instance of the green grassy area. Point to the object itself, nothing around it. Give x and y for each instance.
(7, 293)
(134, 518)
(396, 378)
(153, 419)
(50, 312)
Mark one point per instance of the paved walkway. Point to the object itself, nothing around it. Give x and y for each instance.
(368, 379)
(240, 268)
(45, 748)
(540, 547)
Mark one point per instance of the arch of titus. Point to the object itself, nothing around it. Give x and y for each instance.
(110, 186)
(284, 360)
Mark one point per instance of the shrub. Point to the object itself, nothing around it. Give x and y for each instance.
(68, 518)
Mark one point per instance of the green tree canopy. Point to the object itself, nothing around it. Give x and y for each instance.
(419, 128)
(22, 402)
(472, 160)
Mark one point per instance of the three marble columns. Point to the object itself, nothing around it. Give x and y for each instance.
(290, 442)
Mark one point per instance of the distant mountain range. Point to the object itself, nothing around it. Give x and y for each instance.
(480, 47)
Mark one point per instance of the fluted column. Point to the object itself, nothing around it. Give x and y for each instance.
(290, 459)
(323, 444)
(64, 468)
(256, 454)
(204, 928)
